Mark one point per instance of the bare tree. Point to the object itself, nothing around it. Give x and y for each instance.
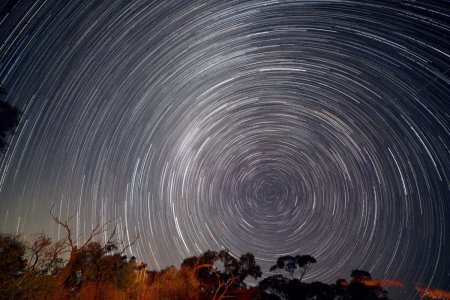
(89, 245)
(44, 256)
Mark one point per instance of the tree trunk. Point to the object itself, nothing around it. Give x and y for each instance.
(68, 269)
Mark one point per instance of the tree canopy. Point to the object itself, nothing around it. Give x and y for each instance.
(290, 264)
(9, 119)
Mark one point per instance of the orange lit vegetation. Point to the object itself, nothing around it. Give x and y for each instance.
(433, 293)
(383, 283)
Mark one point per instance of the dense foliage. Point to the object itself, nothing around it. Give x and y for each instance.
(9, 119)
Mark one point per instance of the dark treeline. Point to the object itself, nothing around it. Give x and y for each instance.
(43, 269)
(9, 119)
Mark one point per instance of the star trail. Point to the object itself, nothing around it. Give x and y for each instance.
(273, 127)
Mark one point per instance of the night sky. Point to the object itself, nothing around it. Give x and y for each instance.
(273, 127)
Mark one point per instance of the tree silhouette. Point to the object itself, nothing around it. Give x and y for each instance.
(280, 287)
(290, 263)
(304, 263)
(219, 272)
(277, 287)
(9, 119)
(360, 274)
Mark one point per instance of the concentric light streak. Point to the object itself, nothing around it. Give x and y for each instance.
(274, 127)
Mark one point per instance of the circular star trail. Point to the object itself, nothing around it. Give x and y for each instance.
(273, 127)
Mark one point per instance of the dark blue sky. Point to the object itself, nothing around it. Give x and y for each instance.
(274, 127)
